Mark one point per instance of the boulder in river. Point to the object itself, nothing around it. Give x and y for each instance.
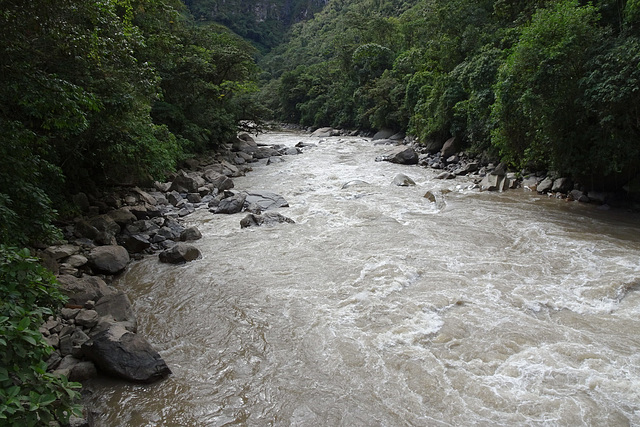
(268, 218)
(403, 180)
(126, 355)
(231, 205)
(179, 253)
(266, 200)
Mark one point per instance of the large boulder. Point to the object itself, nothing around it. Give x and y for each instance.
(545, 186)
(268, 218)
(562, 185)
(186, 183)
(134, 243)
(494, 183)
(265, 200)
(109, 259)
(449, 148)
(190, 234)
(406, 156)
(265, 152)
(83, 289)
(105, 224)
(84, 229)
(324, 132)
(402, 180)
(125, 355)
(231, 205)
(116, 308)
(179, 253)
(122, 216)
(218, 180)
(383, 134)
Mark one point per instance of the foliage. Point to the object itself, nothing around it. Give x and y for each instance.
(550, 84)
(29, 396)
(538, 89)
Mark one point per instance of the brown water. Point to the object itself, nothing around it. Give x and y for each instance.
(380, 308)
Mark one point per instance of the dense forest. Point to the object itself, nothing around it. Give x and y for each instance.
(98, 93)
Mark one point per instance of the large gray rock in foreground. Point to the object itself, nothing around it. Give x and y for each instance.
(179, 253)
(109, 259)
(125, 355)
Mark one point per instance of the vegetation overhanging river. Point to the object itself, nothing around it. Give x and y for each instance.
(381, 308)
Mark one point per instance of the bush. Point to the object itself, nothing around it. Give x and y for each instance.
(29, 395)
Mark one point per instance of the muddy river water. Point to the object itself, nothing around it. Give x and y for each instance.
(379, 307)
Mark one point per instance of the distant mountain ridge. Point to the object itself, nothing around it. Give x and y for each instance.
(263, 22)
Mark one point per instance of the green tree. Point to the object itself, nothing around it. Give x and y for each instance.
(538, 92)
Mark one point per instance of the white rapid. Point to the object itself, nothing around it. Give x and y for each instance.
(381, 308)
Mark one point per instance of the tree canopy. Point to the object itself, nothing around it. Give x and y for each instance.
(542, 84)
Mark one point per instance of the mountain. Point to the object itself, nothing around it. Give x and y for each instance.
(264, 22)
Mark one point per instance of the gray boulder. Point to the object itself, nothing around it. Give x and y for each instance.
(231, 205)
(218, 180)
(324, 132)
(404, 156)
(468, 168)
(134, 243)
(109, 259)
(449, 148)
(186, 183)
(179, 253)
(402, 180)
(86, 288)
(494, 183)
(85, 229)
(122, 216)
(445, 175)
(116, 308)
(383, 134)
(190, 234)
(268, 218)
(125, 355)
(105, 224)
(266, 200)
(562, 185)
(545, 186)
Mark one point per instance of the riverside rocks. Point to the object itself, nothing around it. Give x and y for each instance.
(97, 328)
(268, 218)
(488, 176)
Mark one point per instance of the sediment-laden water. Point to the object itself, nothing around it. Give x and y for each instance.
(381, 308)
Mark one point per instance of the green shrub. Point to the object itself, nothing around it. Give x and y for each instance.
(29, 396)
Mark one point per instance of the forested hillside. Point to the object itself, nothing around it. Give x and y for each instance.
(263, 22)
(546, 84)
(100, 92)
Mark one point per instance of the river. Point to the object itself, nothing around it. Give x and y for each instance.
(382, 308)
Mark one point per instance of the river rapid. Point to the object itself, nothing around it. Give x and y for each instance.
(382, 308)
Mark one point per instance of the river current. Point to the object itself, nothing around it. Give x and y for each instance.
(379, 307)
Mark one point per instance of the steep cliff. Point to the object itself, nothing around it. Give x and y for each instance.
(262, 21)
